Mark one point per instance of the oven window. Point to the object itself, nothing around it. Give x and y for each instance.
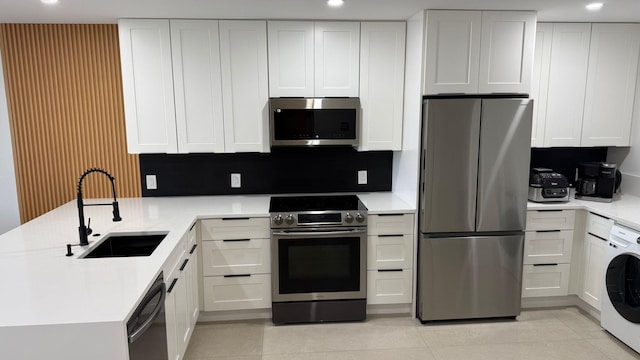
(301, 124)
(319, 265)
(623, 286)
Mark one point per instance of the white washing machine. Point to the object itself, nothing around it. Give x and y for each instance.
(620, 312)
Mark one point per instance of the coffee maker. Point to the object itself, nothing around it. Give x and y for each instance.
(597, 181)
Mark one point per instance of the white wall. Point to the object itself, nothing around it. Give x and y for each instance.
(406, 170)
(9, 214)
(628, 158)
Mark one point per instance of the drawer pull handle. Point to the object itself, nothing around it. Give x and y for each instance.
(239, 275)
(232, 219)
(547, 231)
(193, 249)
(550, 210)
(192, 226)
(184, 264)
(598, 215)
(390, 214)
(391, 235)
(235, 240)
(173, 283)
(389, 270)
(545, 264)
(599, 237)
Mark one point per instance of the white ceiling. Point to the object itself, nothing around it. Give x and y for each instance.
(108, 11)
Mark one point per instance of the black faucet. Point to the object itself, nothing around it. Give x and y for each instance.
(83, 230)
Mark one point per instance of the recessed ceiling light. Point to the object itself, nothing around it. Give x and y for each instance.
(49, 2)
(335, 3)
(594, 6)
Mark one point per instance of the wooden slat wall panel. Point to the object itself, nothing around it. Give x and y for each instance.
(64, 93)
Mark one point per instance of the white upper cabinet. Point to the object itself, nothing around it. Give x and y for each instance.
(243, 49)
(197, 85)
(567, 82)
(540, 81)
(308, 59)
(611, 84)
(506, 54)
(337, 58)
(475, 52)
(147, 84)
(452, 52)
(291, 58)
(382, 47)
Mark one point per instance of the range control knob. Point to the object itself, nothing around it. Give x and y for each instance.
(348, 218)
(289, 219)
(278, 219)
(359, 217)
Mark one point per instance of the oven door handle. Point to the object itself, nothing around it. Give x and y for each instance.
(316, 233)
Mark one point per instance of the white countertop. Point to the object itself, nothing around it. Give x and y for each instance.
(43, 286)
(624, 209)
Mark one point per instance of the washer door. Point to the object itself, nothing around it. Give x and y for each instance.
(623, 286)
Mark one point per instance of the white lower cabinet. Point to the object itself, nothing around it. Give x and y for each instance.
(545, 280)
(389, 286)
(548, 245)
(390, 259)
(594, 257)
(236, 264)
(181, 304)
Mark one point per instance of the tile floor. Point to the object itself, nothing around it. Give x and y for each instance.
(562, 334)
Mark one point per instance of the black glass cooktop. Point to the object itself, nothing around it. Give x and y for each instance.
(314, 203)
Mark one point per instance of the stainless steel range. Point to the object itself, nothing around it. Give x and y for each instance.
(318, 258)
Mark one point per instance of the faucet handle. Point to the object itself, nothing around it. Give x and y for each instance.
(89, 231)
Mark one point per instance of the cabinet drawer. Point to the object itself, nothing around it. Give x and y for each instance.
(542, 247)
(599, 225)
(235, 228)
(550, 219)
(390, 252)
(552, 280)
(237, 293)
(390, 224)
(389, 287)
(251, 256)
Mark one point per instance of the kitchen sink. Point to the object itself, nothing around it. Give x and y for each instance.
(126, 245)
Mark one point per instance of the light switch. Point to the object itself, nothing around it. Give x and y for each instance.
(152, 184)
(362, 177)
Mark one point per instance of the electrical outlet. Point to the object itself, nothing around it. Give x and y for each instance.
(236, 181)
(152, 183)
(362, 177)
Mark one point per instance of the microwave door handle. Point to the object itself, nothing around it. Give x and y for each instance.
(316, 233)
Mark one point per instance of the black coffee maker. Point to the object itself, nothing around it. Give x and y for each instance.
(597, 181)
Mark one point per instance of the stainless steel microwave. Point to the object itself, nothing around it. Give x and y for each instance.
(314, 121)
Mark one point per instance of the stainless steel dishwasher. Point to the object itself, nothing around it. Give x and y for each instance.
(146, 328)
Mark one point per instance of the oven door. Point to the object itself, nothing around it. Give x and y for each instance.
(327, 264)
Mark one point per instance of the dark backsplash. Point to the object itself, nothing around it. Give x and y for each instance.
(284, 170)
(566, 160)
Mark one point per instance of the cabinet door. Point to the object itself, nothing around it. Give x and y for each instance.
(452, 52)
(567, 84)
(291, 69)
(243, 48)
(594, 270)
(540, 82)
(382, 48)
(147, 85)
(171, 321)
(193, 291)
(506, 55)
(197, 84)
(611, 84)
(337, 58)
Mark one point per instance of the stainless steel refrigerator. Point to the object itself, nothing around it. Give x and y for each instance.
(473, 201)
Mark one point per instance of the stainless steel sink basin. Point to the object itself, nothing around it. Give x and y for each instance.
(126, 245)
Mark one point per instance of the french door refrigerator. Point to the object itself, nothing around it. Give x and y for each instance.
(473, 200)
